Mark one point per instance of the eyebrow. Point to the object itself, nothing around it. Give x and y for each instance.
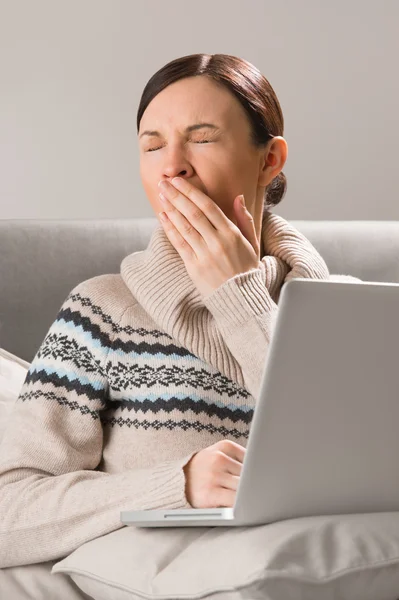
(188, 129)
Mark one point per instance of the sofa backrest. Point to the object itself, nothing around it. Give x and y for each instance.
(41, 261)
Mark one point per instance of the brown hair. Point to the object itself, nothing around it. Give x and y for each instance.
(248, 85)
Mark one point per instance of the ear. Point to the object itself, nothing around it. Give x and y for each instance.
(272, 160)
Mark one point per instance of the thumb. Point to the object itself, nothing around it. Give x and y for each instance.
(245, 222)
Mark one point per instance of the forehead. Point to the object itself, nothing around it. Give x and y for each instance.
(191, 100)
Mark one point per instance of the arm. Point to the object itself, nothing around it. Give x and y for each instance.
(51, 498)
(245, 314)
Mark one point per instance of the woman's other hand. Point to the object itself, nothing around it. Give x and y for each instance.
(212, 475)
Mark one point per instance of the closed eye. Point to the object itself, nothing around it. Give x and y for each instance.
(199, 142)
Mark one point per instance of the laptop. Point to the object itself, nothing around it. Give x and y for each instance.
(324, 438)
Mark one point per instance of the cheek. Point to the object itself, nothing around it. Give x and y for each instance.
(224, 198)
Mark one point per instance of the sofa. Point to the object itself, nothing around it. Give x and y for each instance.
(42, 260)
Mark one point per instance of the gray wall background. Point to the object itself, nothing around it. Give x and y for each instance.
(72, 73)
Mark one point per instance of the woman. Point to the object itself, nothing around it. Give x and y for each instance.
(142, 393)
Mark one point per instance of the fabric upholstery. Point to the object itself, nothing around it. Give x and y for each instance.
(41, 261)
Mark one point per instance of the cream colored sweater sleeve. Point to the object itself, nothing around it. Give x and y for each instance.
(51, 498)
(245, 314)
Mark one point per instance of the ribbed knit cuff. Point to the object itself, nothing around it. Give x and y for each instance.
(170, 490)
(181, 463)
(239, 299)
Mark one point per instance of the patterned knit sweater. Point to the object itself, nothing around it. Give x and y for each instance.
(136, 374)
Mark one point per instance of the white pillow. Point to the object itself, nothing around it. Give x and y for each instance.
(13, 372)
(339, 557)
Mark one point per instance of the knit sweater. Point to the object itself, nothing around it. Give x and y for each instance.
(136, 374)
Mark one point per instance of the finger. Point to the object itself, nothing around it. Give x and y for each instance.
(187, 238)
(229, 481)
(224, 498)
(232, 466)
(226, 464)
(181, 245)
(185, 213)
(246, 224)
(211, 210)
(233, 450)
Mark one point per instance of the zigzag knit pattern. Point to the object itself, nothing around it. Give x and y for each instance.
(122, 377)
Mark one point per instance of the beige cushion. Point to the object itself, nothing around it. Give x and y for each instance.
(13, 371)
(342, 557)
(36, 582)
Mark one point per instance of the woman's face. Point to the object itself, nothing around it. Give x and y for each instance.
(218, 160)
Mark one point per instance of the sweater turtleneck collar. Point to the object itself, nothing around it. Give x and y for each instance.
(158, 280)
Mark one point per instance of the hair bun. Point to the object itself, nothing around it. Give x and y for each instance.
(275, 191)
